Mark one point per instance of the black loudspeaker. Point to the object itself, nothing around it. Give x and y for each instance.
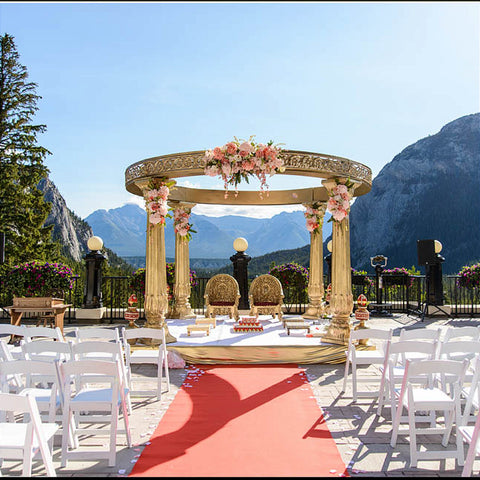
(426, 252)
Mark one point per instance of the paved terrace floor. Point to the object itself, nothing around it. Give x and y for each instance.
(362, 438)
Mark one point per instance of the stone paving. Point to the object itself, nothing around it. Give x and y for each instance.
(362, 437)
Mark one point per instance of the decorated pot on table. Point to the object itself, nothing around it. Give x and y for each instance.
(132, 313)
(327, 299)
(362, 314)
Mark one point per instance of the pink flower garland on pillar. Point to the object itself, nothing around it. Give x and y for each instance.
(339, 202)
(314, 214)
(156, 203)
(181, 219)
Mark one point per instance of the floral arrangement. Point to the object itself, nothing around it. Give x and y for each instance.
(240, 159)
(156, 200)
(397, 272)
(314, 217)
(181, 222)
(38, 279)
(137, 279)
(362, 277)
(339, 202)
(469, 276)
(290, 274)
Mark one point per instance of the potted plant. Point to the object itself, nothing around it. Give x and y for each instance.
(469, 276)
(38, 284)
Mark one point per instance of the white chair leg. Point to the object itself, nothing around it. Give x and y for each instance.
(413, 438)
(165, 362)
(345, 375)
(354, 381)
(113, 437)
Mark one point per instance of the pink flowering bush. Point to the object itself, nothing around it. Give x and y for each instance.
(240, 159)
(469, 276)
(38, 279)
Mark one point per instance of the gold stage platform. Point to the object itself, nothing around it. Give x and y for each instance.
(272, 345)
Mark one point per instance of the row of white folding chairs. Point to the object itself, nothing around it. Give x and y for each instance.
(356, 357)
(80, 391)
(128, 336)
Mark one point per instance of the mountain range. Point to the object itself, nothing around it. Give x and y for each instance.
(123, 229)
(430, 190)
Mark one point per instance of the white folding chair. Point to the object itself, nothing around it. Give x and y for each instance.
(47, 351)
(471, 393)
(110, 351)
(465, 333)
(24, 440)
(99, 399)
(156, 356)
(419, 334)
(33, 333)
(356, 357)
(96, 333)
(470, 435)
(393, 370)
(14, 381)
(421, 392)
(7, 333)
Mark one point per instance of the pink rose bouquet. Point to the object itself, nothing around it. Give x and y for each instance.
(238, 160)
(181, 225)
(339, 202)
(156, 201)
(314, 218)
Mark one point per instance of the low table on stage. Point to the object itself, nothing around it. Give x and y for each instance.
(58, 312)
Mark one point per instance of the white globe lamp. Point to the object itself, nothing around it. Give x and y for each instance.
(330, 246)
(95, 243)
(438, 246)
(240, 244)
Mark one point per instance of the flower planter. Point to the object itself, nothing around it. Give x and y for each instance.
(36, 302)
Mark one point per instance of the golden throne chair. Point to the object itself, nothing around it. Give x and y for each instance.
(222, 295)
(266, 296)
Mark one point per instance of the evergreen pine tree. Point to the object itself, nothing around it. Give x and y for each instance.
(23, 210)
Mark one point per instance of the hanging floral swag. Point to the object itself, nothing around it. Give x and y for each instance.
(339, 202)
(156, 200)
(314, 217)
(240, 159)
(181, 223)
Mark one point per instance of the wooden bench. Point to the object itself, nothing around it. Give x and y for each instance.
(297, 326)
(206, 321)
(198, 328)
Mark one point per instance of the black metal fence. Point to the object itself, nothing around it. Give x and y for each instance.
(403, 294)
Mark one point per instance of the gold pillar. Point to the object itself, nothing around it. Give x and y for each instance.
(156, 296)
(315, 308)
(341, 297)
(182, 289)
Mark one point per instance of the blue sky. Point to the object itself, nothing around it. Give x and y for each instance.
(121, 82)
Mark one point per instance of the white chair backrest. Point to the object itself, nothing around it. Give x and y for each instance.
(32, 372)
(7, 329)
(465, 333)
(143, 332)
(97, 333)
(47, 351)
(91, 372)
(14, 380)
(433, 370)
(43, 333)
(363, 333)
(420, 334)
(458, 350)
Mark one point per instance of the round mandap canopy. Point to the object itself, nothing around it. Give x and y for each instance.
(331, 169)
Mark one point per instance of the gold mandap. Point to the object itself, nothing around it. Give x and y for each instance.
(328, 168)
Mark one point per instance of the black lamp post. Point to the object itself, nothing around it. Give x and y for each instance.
(379, 262)
(93, 286)
(240, 271)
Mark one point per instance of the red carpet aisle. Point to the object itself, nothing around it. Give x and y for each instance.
(242, 420)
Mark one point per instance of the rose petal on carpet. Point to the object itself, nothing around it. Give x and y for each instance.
(242, 420)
